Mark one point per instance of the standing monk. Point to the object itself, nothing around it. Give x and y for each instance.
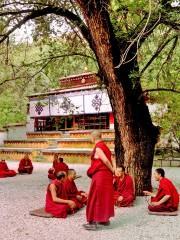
(124, 193)
(79, 197)
(167, 198)
(57, 202)
(100, 204)
(25, 165)
(5, 171)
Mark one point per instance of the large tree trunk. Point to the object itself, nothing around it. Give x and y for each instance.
(135, 134)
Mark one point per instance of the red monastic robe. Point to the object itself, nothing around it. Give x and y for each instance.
(24, 163)
(5, 172)
(124, 188)
(100, 204)
(59, 210)
(166, 187)
(57, 167)
(72, 192)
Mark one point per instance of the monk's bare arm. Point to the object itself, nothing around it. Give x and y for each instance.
(147, 193)
(100, 154)
(54, 195)
(114, 163)
(164, 199)
(70, 203)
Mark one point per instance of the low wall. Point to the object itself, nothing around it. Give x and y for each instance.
(16, 132)
(168, 162)
(3, 136)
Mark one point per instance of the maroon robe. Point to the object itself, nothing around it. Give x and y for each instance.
(5, 171)
(72, 192)
(59, 210)
(61, 166)
(100, 204)
(57, 167)
(124, 188)
(166, 187)
(25, 166)
(51, 174)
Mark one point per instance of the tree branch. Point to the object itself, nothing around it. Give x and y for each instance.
(23, 4)
(157, 52)
(59, 56)
(13, 13)
(76, 20)
(160, 17)
(161, 89)
(49, 59)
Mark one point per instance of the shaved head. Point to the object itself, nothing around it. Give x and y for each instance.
(96, 135)
(120, 171)
(72, 174)
(61, 175)
(71, 171)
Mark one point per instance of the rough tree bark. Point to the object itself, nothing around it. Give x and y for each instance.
(135, 135)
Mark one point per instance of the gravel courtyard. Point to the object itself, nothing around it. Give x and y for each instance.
(20, 194)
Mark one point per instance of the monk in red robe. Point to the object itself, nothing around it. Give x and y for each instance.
(79, 197)
(57, 202)
(58, 165)
(5, 171)
(167, 198)
(25, 165)
(124, 193)
(100, 204)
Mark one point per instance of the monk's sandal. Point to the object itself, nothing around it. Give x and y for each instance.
(96, 226)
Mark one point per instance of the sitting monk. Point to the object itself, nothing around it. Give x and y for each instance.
(25, 165)
(58, 165)
(5, 171)
(79, 197)
(167, 198)
(123, 188)
(57, 202)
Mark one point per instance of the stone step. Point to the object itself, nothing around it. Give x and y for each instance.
(72, 134)
(53, 143)
(26, 143)
(70, 155)
(85, 134)
(41, 135)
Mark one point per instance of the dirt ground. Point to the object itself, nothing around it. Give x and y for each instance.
(20, 194)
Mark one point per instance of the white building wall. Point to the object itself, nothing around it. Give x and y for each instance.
(30, 124)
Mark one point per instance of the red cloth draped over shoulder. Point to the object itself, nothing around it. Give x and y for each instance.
(97, 164)
(25, 166)
(100, 204)
(5, 171)
(124, 188)
(166, 187)
(59, 210)
(57, 167)
(72, 191)
(60, 166)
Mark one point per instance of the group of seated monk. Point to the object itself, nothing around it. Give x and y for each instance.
(25, 166)
(165, 200)
(62, 195)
